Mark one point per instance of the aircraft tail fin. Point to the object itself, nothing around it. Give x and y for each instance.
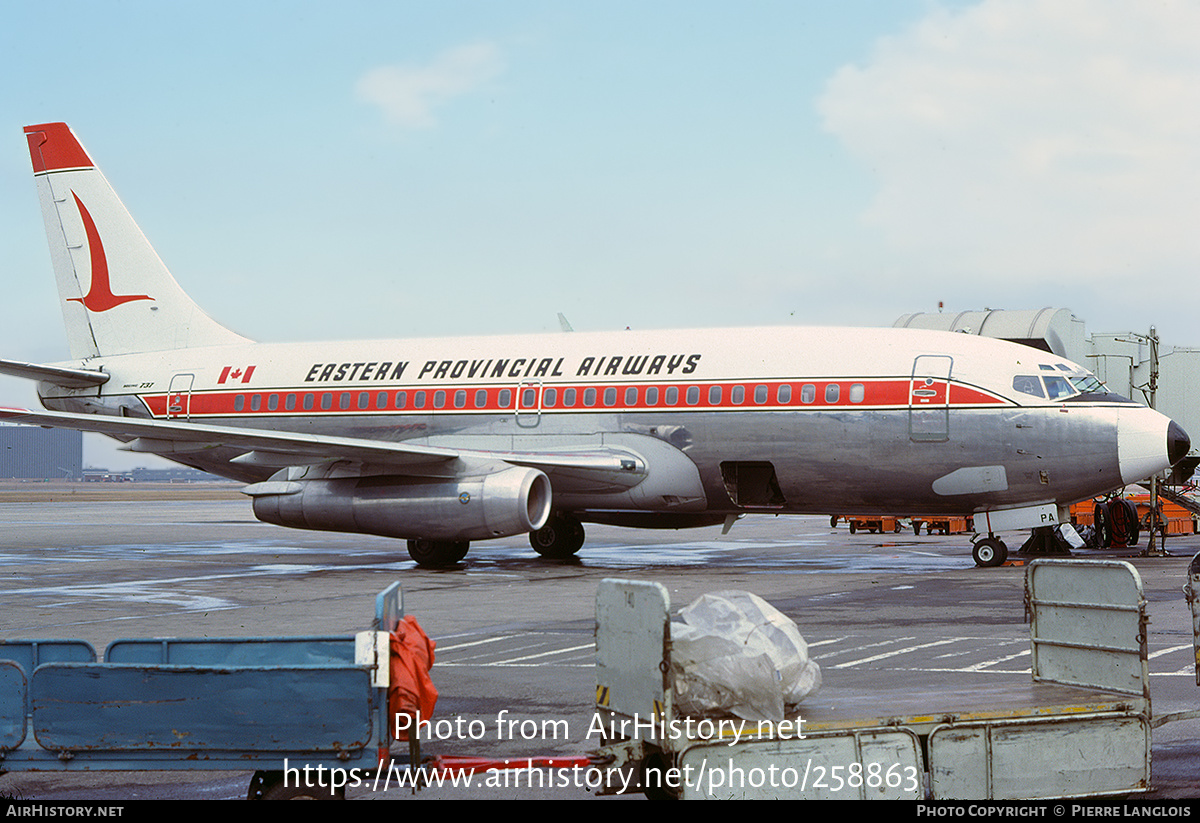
(117, 296)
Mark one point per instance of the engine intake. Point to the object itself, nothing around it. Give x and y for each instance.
(512, 501)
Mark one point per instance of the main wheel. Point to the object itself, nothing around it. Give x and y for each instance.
(437, 554)
(560, 538)
(990, 552)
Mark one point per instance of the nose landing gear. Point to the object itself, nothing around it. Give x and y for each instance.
(989, 551)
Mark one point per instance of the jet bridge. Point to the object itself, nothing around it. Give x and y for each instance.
(1049, 329)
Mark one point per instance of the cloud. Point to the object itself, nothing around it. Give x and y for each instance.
(408, 95)
(1033, 138)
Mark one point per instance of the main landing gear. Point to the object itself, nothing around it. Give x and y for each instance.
(560, 538)
(437, 554)
(989, 551)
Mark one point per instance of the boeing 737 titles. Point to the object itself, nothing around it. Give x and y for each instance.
(441, 442)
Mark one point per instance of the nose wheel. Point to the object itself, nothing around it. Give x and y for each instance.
(989, 551)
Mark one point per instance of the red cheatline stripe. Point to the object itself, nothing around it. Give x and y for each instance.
(892, 394)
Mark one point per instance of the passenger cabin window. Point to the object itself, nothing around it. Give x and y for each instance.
(610, 396)
(832, 392)
(714, 395)
(569, 398)
(480, 398)
(631, 396)
(784, 394)
(760, 394)
(549, 398)
(589, 397)
(401, 399)
(672, 395)
(693, 395)
(858, 393)
(652, 396)
(460, 399)
(808, 393)
(737, 395)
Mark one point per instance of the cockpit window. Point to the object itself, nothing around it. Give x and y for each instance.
(1087, 383)
(1058, 387)
(1028, 384)
(1073, 383)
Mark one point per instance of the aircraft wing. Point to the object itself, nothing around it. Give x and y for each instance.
(592, 466)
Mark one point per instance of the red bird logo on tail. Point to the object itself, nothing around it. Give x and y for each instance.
(100, 296)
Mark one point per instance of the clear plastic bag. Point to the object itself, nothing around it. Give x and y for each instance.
(735, 653)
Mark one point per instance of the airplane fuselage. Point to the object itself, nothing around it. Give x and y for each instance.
(797, 420)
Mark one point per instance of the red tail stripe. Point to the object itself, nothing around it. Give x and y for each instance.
(53, 147)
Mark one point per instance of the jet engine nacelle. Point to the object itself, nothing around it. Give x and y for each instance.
(512, 501)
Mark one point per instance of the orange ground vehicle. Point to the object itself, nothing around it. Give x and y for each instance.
(932, 523)
(873, 525)
(1172, 518)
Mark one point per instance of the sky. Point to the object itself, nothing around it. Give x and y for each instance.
(414, 169)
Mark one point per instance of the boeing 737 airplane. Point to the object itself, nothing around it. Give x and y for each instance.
(441, 442)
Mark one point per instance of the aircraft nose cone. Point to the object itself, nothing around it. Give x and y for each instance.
(1147, 443)
(1178, 443)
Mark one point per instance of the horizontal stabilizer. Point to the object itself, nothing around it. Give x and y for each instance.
(58, 375)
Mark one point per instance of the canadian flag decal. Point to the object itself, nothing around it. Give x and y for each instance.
(233, 374)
